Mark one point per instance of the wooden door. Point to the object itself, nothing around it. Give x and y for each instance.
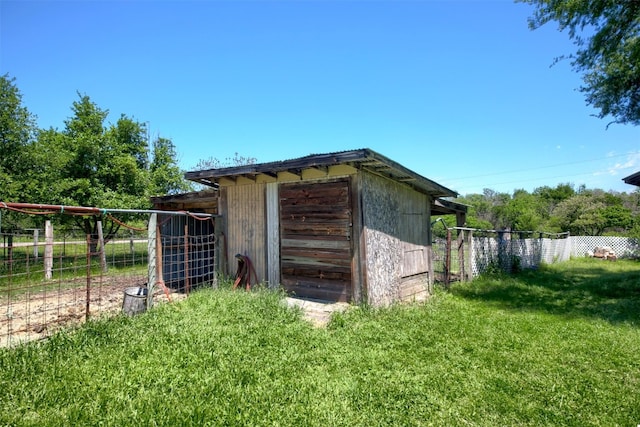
(315, 239)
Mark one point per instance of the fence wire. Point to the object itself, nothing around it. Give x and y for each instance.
(69, 276)
(467, 253)
(513, 252)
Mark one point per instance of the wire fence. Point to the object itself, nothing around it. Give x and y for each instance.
(466, 253)
(56, 277)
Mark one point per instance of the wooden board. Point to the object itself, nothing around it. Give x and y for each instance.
(414, 288)
(315, 245)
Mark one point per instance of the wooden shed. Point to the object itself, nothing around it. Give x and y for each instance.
(348, 226)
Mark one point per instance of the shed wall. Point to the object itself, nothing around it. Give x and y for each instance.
(396, 235)
(245, 221)
(315, 228)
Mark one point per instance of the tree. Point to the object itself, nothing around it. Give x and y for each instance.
(587, 212)
(92, 164)
(607, 36)
(130, 137)
(553, 196)
(17, 131)
(50, 156)
(215, 163)
(166, 176)
(104, 166)
(591, 212)
(522, 212)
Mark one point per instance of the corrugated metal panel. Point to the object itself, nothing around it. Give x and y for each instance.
(246, 228)
(273, 235)
(363, 159)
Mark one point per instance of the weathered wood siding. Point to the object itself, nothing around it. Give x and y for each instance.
(244, 212)
(273, 235)
(198, 201)
(396, 234)
(315, 233)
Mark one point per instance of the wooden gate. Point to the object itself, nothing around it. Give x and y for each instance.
(315, 233)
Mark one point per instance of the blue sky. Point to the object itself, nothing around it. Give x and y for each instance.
(461, 92)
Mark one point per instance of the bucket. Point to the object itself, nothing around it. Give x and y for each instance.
(135, 301)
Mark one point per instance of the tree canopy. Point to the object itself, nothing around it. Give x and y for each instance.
(17, 131)
(166, 176)
(607, 36)
(215, 163)
(559, 209)
(88, 163)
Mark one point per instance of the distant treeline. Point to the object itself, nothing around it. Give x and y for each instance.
(580, 211)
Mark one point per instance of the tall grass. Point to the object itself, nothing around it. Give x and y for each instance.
(560, 346)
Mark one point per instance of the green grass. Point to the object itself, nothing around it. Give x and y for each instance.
(558, 346)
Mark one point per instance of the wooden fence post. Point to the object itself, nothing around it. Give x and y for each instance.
(152, 257)
(101, 251)
(36, 250)
(461, 263)
(470, 256)
(48, 250)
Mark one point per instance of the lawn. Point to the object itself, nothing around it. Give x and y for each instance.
(557, 346)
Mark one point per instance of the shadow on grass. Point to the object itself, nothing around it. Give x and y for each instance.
(581, 287)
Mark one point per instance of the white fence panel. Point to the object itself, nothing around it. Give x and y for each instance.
(490, 252)
(624, 247)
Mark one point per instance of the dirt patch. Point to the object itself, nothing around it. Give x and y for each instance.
(36, 315)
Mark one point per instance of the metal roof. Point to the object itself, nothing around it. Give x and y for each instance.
(633, 179)
(362, 159)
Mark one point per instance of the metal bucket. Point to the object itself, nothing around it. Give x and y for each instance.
(135, 301)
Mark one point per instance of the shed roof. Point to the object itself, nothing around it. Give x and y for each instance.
(194, 201)
(447, 207)
(362, 159)
(633, 179)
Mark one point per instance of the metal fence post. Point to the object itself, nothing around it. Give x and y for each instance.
(447, 262)
(88, 303)
(186, 258)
